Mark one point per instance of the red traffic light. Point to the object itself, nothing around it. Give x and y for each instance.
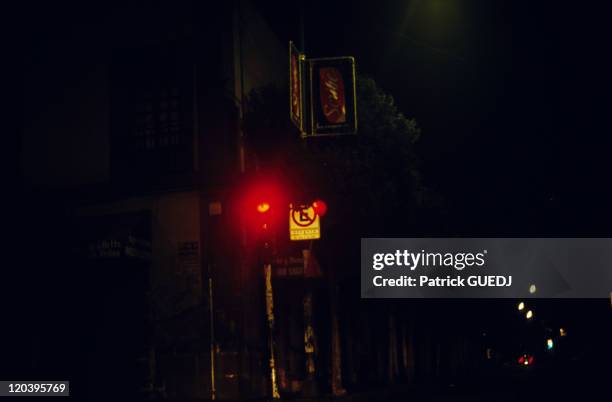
(262, 202)
(320, 207)
(263, 207)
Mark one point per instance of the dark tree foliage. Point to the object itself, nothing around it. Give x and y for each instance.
(371, 181)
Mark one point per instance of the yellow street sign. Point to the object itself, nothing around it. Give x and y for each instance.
(304, 223)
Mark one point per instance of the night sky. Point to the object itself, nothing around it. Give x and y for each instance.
(509, 96)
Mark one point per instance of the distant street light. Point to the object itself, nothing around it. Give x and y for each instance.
(550, 344)
(525, 360)
(529, 315)
(562, 332)
(521, 306)
(532, 288)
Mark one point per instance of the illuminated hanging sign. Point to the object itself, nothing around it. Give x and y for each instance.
(332, 96)
(304, 223)
(333, 100)
(296, 92)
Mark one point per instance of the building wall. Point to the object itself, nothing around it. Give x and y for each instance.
(264, 57)
(175, 278)
(69, 78)
(66, 119)
(70, 124)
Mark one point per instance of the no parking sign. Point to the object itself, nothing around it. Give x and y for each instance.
(304, 223)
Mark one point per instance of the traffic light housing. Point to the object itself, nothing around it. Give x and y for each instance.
(263, 219)
(264, 205)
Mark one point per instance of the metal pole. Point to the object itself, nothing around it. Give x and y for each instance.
(336, 358)
(270, 316)
(213, 391)
(309, 338)
(302, 39)
(310, 386)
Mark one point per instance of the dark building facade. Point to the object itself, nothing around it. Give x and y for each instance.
(133, 156)
(132, 124)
